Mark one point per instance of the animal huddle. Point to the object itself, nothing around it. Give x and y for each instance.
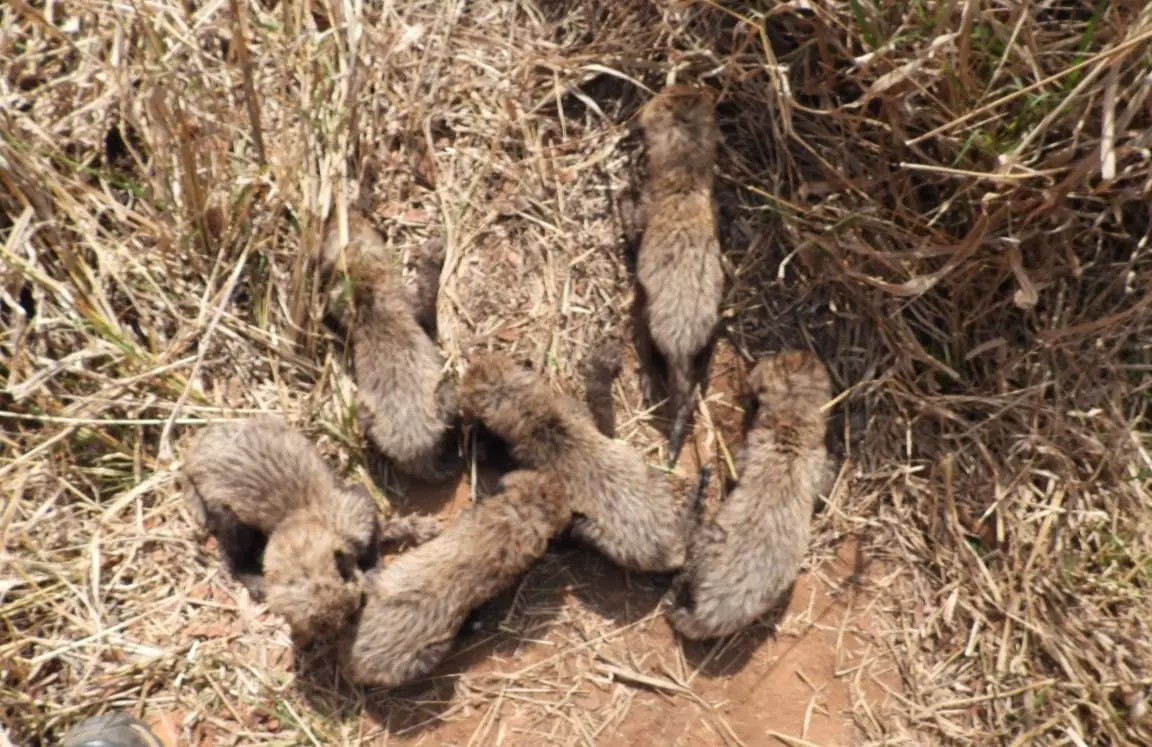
(310, 546)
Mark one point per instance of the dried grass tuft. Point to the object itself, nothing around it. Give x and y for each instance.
(950, 201)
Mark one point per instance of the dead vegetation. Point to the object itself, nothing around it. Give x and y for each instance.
(948, 201)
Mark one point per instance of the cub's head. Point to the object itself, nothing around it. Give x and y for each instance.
(311, 577)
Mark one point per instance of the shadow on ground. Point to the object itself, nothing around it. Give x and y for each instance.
(728, 656)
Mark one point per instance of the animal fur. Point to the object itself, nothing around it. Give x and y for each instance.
(603, 367)
(416, 604)
(288, 530)
(742, 563)
(402, 403)
(623, 508)
(680, 281)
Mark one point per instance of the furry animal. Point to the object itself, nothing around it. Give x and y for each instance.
(417, 604)
(603, 367)
(622, 507)
(415, 529)
(742, 563)
(287, 529)
(402, 403)
(679, 277)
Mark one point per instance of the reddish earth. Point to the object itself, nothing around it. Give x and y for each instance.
(607, 667)
(580, 654)
(799, 683)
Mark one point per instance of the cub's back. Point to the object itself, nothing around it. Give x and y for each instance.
(260, 469)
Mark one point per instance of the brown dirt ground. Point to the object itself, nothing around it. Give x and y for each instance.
(576, 618)
(746, 690)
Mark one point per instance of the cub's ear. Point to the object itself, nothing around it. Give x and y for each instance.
(345, 565)
(681, 595)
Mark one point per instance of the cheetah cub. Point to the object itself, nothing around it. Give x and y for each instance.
(287, 529)
(622, 507)
(402, 403)
(742, 562)
(417, 603)
(680, 281)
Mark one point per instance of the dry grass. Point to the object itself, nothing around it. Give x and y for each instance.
(950, 201)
